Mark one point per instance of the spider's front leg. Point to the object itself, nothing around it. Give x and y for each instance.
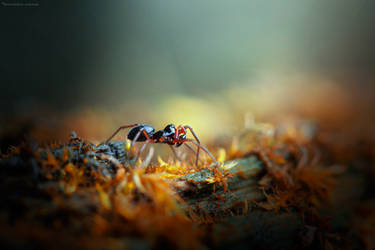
(175, 153)
(178, 157)
(192, 150)
(184, 129)
(204, 149)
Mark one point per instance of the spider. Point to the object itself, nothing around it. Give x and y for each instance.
(169, 135)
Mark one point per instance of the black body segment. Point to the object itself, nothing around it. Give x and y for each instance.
(134, 131)
(158, 135)
(169, 131)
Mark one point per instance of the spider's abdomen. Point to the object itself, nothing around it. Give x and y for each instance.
(134, 131)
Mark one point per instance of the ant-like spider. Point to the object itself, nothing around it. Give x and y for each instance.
(169, 135)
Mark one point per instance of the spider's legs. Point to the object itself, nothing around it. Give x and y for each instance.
(174, 152)
(204, 149)
(142, 130)
(118, 130)
(176, 155)
(196, 138)
(144, 144)
(190, 148)
(142, 148)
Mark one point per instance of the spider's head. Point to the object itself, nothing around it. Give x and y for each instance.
(181, 133)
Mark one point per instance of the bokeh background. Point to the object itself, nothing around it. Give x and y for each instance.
(91, 66)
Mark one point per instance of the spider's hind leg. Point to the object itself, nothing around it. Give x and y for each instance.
(118, 130)
(141, 150)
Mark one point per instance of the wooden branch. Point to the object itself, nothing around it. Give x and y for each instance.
(242, 189)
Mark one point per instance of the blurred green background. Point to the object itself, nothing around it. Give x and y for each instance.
(95, 65)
